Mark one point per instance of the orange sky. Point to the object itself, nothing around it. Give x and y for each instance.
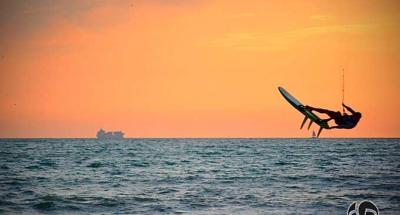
(195, 68)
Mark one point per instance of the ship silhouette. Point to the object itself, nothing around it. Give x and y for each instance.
(110, 135)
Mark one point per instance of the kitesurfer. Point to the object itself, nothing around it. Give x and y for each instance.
(343, 121)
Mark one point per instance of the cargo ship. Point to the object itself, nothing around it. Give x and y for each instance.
(110, 135)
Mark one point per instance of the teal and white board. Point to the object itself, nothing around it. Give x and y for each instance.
(307, 113)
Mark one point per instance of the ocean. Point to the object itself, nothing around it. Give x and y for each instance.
(198, 176)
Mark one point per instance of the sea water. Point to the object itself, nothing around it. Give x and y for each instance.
(198, 176)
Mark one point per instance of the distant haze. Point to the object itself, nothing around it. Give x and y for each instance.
(195, 68)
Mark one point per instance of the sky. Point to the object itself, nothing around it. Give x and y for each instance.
(196, 68)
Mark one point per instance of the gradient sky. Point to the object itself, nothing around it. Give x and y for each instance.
(195, 68)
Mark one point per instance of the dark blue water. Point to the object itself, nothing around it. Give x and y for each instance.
(198, 176)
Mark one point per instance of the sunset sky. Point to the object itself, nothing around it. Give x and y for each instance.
(196, 68)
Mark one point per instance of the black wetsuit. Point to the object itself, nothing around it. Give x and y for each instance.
(342, 121)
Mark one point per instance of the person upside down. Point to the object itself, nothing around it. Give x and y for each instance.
(344, 121)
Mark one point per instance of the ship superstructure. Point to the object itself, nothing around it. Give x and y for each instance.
(110, 135)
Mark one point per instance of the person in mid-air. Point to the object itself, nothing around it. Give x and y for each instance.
(344, 121)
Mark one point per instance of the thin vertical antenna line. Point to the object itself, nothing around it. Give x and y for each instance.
(343, 90)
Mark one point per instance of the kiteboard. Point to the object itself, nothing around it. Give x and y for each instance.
(302, 109)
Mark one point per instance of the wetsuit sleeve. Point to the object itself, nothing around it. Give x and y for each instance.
(349, 109)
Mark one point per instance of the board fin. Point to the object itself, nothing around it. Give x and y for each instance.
(304, 122)
(319, 131)
(309, 125)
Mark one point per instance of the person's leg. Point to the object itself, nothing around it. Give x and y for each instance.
(332, 114)
(336, 127)
(320, 110)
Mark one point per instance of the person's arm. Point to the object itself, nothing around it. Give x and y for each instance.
(348, 108)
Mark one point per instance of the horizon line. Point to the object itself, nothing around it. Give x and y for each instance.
(383, 137)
